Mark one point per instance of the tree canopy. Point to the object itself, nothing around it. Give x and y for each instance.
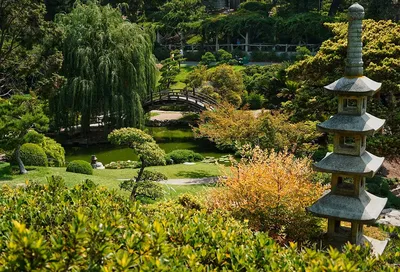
(109, 67)
(18, 115)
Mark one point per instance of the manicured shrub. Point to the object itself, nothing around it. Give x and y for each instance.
(87, 228)
(54, 151)
(80, 166)
(208, 58)
(271, 190)
(253, 6)
(183, 155)
(33, 155)
(223, 56)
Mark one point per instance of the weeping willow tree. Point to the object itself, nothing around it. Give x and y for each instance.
(109, 67)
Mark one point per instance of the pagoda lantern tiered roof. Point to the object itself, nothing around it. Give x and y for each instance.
(349, 162)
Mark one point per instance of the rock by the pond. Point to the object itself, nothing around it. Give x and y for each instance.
(98, 165)
(189, 163)
(390, 217)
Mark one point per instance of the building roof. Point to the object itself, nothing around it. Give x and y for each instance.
(354, 86)
(365, 208)
(365, 124)
(365, 165)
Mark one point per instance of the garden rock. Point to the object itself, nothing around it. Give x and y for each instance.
(390, 217)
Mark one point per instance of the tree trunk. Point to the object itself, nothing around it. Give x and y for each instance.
(334, 7)
(140, 174)
(21, 165)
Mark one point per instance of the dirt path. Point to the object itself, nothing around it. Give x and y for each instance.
(166, 115)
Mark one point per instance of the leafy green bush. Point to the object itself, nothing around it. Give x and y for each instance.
(253, 6)
(80, 166)
(33, 155)
(147, 186)
(143, 189)
(123, 165)
(190, 201)
(194, 56)
(183, 155)
(87, 228)
(302, 52)
(223, 56)
(161, 52)
(208, 58)
(255, 101)
(54, 151)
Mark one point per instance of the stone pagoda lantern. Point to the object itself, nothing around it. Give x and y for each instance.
(350, 163)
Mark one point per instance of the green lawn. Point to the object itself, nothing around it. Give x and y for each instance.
(109, 177)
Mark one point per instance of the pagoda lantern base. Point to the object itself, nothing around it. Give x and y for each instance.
(350, 233)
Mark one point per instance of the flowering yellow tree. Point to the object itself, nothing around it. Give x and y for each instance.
(271, 190)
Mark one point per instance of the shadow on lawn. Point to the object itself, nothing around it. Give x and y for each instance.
(194, 174)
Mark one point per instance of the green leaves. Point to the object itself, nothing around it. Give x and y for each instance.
(109, 68)
(53, 228)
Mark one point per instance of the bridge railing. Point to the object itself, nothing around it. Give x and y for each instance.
(189, 95)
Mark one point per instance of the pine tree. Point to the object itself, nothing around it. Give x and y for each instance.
(19, 115)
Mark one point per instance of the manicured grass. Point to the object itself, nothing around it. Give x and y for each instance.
(181, 77)
(109, 177)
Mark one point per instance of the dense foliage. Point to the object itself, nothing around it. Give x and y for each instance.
(222, 83)
(29, 59)
(18, 115)
(33, 155)
(80, 166)
(51, 228)
(231, 128)
(148, 187)
(109, 66)
(183, 155)
(271, 190)
(54, 151)
(381, 54)
(143, 144)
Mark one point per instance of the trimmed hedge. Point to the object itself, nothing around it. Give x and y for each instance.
(33, 155)
(183, 155)
(81, 167)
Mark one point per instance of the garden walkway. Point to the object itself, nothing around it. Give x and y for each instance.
(187, 181)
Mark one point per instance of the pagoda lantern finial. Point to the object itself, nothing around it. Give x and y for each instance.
(354, 63)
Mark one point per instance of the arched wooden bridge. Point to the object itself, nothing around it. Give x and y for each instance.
(195, 100)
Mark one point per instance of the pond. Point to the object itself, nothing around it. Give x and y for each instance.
(167, 138)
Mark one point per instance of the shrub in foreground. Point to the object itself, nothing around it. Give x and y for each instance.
(81, 167)
(33, 155)
(53, 228)
(183, 155)
(271, 190)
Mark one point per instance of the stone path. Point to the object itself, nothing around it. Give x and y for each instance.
(187, 181)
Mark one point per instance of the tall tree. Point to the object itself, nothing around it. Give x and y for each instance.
(180, 17)
(109, 68)
(28, 57)
(18, 115)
